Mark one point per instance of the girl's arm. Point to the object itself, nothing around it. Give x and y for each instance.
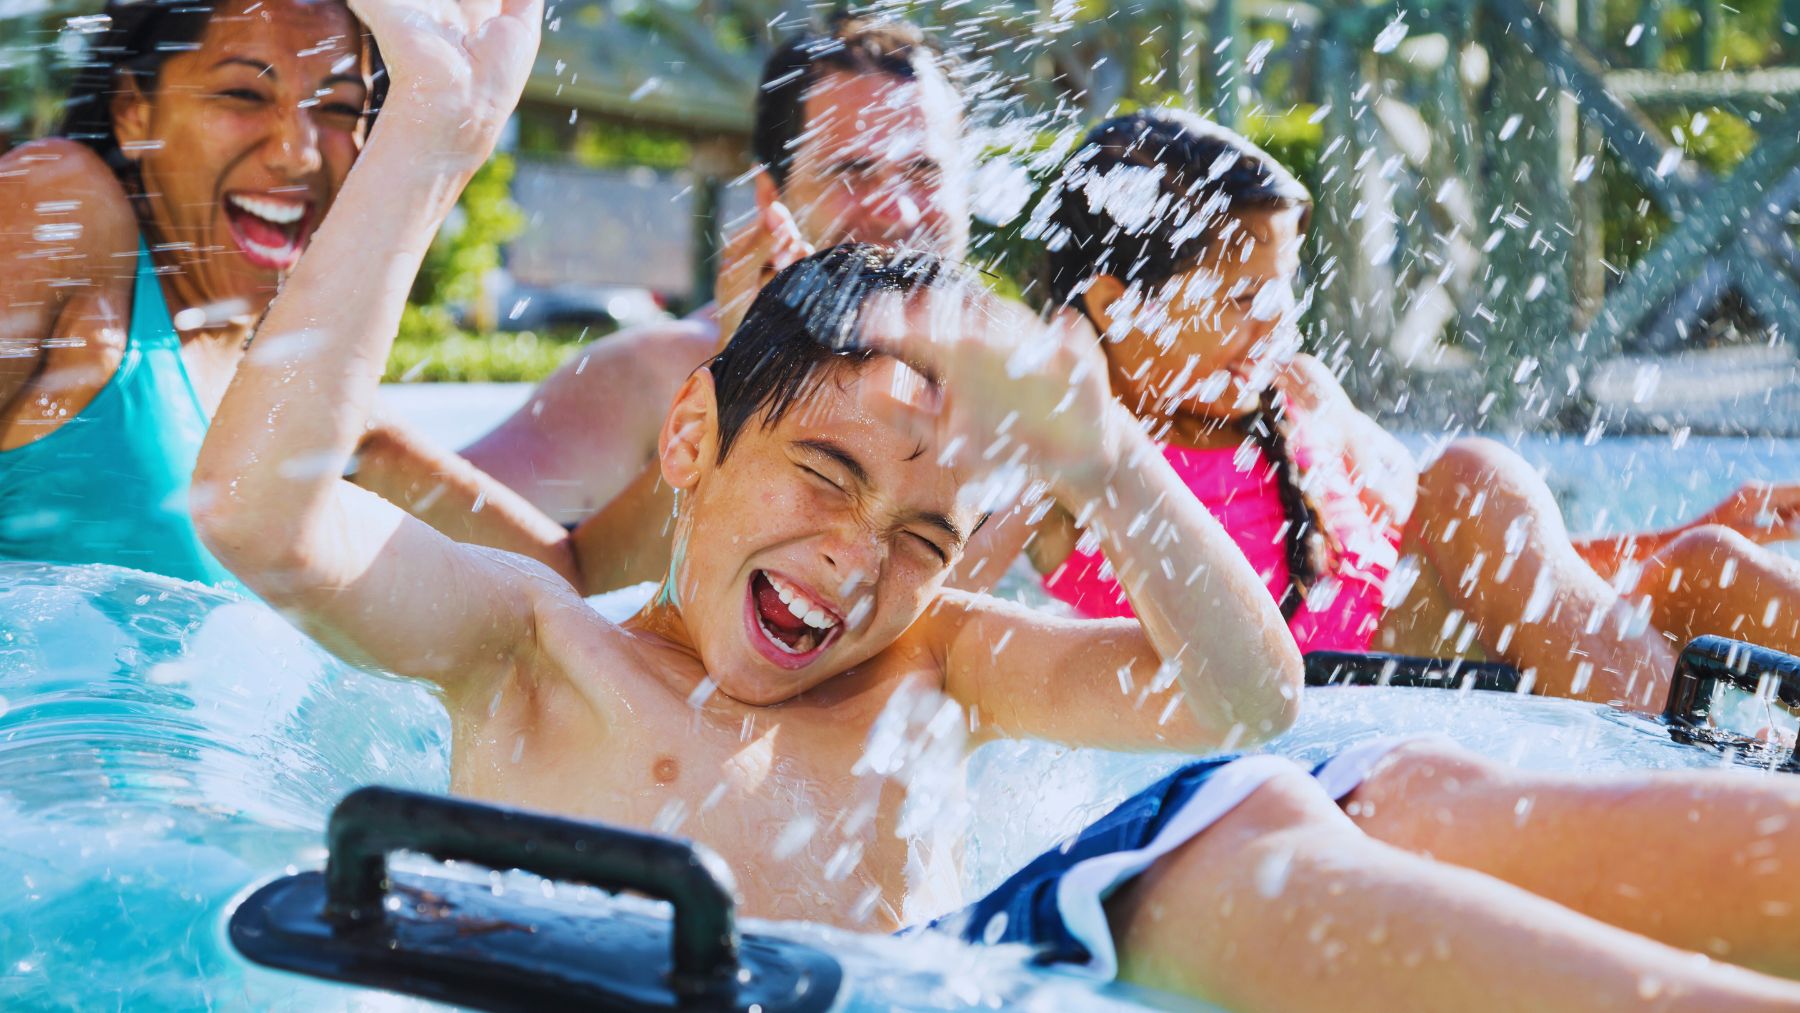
(369, 581)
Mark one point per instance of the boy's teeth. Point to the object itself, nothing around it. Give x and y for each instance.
(801, 608)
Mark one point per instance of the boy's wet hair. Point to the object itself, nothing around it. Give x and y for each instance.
(1146, 194)
(806, 320)
(851, 45)
(140, 35)
(1143, 200)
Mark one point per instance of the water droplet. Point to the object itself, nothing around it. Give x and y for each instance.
(1391, 36)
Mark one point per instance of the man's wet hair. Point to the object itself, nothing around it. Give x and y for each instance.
(806, 321)
(849, 44)
(1104, 221)
(1143, 200)
(140, 35)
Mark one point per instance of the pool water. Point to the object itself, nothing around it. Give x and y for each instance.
(163, 748)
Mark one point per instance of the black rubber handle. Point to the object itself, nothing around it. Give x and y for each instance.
(1349, 668)
(371, 822)
(1709, 660)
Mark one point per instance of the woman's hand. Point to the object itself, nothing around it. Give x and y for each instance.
(456, 71)
(1759, 511)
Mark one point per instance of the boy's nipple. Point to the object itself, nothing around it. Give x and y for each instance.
(665, 770)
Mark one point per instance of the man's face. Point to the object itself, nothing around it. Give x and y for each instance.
(247, 139)
(816, 543)
(881, 161)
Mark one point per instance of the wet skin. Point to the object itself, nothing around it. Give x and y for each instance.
(1225, 320)
(241, 147)
(883, 163)
(691, 719)
(881, 159)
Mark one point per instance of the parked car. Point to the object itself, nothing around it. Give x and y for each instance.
(512, 305)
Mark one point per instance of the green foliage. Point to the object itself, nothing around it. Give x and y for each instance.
(468, 247)
(609, 145)
(432, 349)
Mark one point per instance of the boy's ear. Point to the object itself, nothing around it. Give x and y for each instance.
(131, 117)
(689, 442)
(1102, 291)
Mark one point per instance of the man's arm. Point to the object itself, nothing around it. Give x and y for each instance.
(452, 495)
(590, 429)
(369, 581)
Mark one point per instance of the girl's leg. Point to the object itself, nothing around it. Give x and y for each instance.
(1702, 860)
(1284, 904)
(1714, 580)
(1494, 548)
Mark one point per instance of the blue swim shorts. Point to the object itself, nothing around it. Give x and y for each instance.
(1055, 904)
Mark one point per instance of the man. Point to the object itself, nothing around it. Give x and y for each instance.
(858, 130)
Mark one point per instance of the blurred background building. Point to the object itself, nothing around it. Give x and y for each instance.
(1571, 215)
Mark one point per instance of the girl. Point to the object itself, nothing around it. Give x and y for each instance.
(1179, 241)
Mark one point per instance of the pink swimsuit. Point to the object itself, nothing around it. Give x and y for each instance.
(1239, 487)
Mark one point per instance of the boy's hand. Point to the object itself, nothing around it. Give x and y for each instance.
(457, 70)
(766, 244)
(1011, 389)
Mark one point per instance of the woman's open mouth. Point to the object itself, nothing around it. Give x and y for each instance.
(270, 230)
(788, 625)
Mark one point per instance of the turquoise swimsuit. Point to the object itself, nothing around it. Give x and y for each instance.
(111, 484)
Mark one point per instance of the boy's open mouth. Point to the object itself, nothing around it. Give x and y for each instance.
(270, 230)
(791, 627)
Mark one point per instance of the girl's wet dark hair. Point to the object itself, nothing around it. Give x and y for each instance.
(806, 320)
(1142, 200)
(1202, 172)
(140, 35)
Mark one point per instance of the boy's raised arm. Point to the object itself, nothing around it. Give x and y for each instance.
(1207, 628)
(357, 572)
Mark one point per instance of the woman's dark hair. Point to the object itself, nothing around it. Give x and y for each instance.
(806, 319)
(1142, 200)
(139, 36)
(849, 44)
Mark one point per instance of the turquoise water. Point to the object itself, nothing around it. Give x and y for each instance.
(164, 748)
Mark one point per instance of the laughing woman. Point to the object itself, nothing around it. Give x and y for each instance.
(201, 148)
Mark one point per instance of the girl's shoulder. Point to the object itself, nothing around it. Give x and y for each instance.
(1331, 428)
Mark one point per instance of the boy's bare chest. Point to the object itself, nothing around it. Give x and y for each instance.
(792, 798)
